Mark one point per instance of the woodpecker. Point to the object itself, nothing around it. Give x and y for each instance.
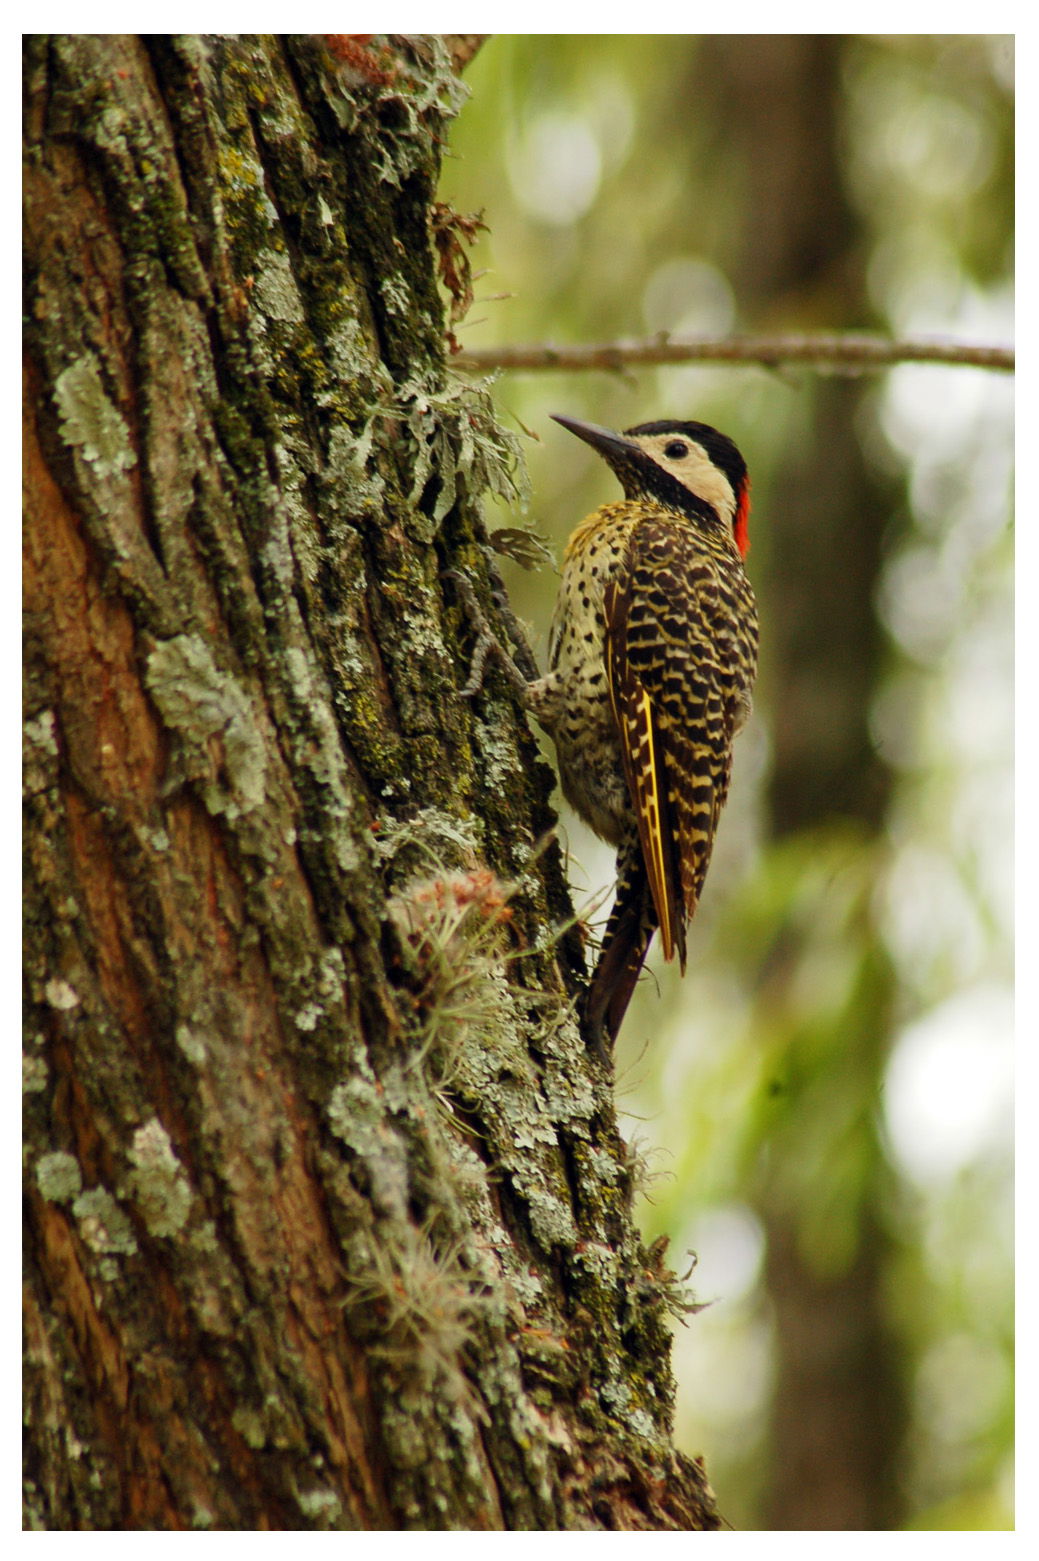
(652, 657)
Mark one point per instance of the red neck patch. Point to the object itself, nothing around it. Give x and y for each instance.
(739, 525)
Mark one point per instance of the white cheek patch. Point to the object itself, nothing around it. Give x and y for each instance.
(708, 482)
(698, 472)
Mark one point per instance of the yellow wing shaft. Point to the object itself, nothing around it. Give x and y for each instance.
(644, 768)
(651, 824)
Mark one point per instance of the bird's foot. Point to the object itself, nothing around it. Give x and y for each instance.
(487, 643)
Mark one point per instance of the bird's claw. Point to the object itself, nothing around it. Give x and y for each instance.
(486, 642)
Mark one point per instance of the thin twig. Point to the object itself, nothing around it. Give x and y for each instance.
(835, 354)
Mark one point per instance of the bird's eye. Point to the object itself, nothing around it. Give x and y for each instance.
(675, 449)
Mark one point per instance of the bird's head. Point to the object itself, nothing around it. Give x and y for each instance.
(689, 467)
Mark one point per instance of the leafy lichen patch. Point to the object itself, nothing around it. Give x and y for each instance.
(58, 1176)
(103, 1224)
(201, 702)
(157, 1183)
(90, 421)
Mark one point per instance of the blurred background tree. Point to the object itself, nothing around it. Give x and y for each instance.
(827, 1095)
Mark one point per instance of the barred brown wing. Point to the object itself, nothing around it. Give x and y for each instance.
(679, 667)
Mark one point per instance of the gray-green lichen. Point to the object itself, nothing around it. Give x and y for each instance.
(499, 764)
(276, 291)
(204, 1239)
(102, 1223)
(433, 836)
(323, 753)
(61, 995)
(157, 1182)
(458, 444)
(423, 101)
(320, 1506)
(41, 733)
(349, 458)
(200, 702)
(395, 293)
(34, 1074)
(249, 1425)
(307, 1017)
(191, 1044)
(90, 421)
(58, 1176)
(551, 1218)
(356, 1115)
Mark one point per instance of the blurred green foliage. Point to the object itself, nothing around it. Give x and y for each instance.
(833, 1071)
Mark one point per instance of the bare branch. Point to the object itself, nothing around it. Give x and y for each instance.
(832, 354)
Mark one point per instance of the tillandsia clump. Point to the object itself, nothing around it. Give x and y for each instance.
(452, 927)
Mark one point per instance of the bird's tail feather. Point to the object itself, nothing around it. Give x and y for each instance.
(625, 945)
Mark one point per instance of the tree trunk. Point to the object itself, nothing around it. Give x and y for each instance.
(328, 1217)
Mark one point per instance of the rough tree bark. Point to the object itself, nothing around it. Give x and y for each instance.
(328, 1217)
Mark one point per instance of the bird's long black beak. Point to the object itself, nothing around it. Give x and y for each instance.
(604, 440)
